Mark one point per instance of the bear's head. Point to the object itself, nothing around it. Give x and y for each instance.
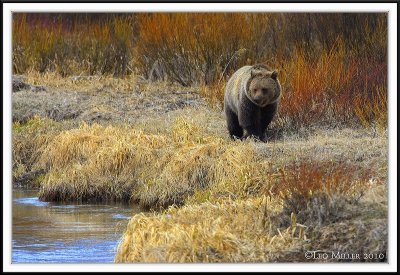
(263, 87)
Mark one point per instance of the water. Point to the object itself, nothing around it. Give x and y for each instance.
(45, 232)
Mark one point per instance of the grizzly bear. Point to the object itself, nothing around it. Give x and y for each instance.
(251, 101)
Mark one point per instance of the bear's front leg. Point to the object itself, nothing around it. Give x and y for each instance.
(249, 122)
(248, 116)
(249, 119)
(252, 131)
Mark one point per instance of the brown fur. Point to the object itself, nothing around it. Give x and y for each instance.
(251, 100)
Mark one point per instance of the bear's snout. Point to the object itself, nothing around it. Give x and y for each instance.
(259, 96)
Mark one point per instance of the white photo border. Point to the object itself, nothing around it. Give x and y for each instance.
(390, 8)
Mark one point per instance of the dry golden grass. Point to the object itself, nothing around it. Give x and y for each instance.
(373, 111)
(89, 162)
(185, 161)
(106, 100)
(214, 93)
(245, 231)
(230, 231)
(82, 82)
(120, 163)
(29, 139)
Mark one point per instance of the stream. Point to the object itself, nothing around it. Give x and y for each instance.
(44, 232)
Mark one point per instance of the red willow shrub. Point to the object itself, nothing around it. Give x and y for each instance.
(329, 74)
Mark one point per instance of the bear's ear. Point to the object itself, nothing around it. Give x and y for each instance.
(256, 72)
(274, 74)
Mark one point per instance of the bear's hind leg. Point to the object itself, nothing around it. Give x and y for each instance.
(235, 131)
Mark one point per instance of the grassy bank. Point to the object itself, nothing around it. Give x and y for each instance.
(162, 145)
(99, 162)
(168, 148)
(255, 230)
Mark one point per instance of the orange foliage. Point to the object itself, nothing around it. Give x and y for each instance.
(329, 75)
(196, 47)
(310, 178)
(86, 47)
(313, 88)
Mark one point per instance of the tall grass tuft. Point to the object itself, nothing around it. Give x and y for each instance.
(123, 164)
